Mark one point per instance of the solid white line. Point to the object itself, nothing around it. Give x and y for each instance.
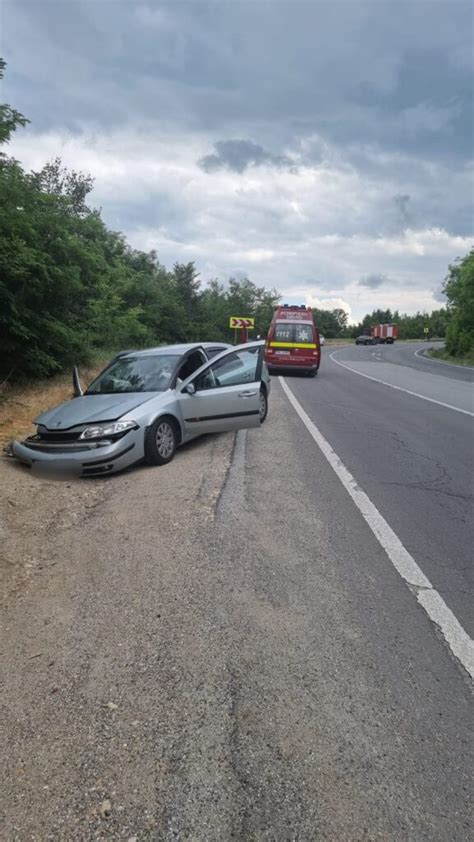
(456, 637)
(421, 356)
(399, 388)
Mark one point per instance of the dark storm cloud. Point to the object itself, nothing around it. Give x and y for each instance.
(373, 281)
(371, 102)
(237, 155)
(402, 205)
(382, 72)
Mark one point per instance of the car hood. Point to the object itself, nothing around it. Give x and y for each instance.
(90, 409)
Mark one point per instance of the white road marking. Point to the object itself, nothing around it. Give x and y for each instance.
(421, 356)
(461, 645)
(399, 388)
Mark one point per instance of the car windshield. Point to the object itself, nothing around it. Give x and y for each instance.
(136, 374)
(288, 332)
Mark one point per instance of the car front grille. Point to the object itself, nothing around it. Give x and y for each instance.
(59, 437)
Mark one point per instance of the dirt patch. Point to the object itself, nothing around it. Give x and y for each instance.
(32, 512)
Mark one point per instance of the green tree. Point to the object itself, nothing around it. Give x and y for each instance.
(331, 323)
(459, 290)
(56, 180)
(10, 118)
(244, 298)
(69, 285)
(214, 312)
(185, 278)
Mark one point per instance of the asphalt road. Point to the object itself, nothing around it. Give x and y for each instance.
(222, 649)
(414, 458)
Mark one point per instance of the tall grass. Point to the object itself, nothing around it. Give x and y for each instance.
(20, 404)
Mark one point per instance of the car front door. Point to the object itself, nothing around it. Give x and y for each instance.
(225, 393)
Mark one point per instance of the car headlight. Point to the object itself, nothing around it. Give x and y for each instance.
(105, 430)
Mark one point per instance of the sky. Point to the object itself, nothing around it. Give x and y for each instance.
(321, 148)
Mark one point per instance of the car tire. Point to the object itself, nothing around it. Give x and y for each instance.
(161, 441)
(263, 404)
(313, 372)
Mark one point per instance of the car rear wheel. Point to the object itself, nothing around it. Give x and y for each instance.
(313, 372)
(263, 405)
(161, 442)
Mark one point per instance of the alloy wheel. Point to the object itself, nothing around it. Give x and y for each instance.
(165, 439)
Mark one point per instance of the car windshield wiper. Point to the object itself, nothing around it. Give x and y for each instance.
(113, 392)
(126, 392)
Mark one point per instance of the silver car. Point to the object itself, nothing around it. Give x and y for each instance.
(147, 403)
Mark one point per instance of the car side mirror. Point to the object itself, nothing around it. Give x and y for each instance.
(190, 389)
(76, 383)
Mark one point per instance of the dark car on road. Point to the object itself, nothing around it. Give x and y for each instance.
(366, 340)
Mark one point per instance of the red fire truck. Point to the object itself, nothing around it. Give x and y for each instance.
(385, 334)
(293, 341)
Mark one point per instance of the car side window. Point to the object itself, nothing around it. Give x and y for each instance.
(234, 369)
(192, 363)
(213, 352)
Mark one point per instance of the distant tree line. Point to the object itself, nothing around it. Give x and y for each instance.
(409, 327)
(455, 323)
(70, 287)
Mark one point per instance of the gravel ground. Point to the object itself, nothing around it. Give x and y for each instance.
(193, 653)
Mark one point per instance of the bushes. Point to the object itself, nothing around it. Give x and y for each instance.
(69, 286)
(459, 289)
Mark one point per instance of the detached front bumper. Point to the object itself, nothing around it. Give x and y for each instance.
(81, 458)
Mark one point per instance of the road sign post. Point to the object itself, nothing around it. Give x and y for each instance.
(242, 323)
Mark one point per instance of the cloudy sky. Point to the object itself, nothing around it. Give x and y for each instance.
(324, 148)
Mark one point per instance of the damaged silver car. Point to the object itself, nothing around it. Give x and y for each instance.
(145, 404)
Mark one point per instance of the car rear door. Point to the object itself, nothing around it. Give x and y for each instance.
(224, 394)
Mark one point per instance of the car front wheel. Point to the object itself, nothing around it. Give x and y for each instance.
(161, 442)
(263, 405)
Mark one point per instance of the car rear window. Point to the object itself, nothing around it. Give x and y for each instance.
(293, 333)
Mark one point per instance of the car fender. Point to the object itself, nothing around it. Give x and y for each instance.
(175, 417)
(165, 403)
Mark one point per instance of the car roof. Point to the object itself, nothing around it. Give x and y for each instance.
(173, 349)
(161, 349)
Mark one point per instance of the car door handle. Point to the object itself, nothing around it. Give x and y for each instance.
(248, 394)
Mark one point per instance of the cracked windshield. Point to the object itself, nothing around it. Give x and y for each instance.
(236, 420)
(145, 374)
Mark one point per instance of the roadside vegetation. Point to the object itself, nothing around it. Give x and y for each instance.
(460, 359)
(20, 403)
(459, 289)
(70, 287)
